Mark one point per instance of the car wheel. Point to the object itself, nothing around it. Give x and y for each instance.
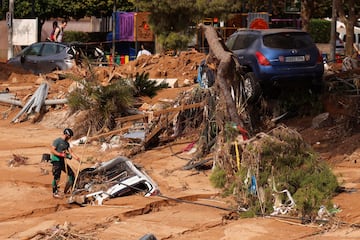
(251, 87)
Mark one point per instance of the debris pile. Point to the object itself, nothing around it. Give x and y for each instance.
(62, 232)
(183, 66)
(344, 82)
(278, 173)
(35, 103)
(17, 160)
(260, 168)
(152, 126)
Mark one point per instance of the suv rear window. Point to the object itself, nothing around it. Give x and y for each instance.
(288, 40)
(241, 41)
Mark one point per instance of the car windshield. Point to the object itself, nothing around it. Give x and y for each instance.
(288, 40)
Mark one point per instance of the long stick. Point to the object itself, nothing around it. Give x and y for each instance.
(81, 156)
(66, 166)
(237, 155)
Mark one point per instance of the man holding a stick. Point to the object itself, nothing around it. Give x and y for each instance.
(60, 151)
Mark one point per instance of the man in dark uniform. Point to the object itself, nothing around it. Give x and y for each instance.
(60, 150)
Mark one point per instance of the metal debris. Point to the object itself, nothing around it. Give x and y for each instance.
(35, 103)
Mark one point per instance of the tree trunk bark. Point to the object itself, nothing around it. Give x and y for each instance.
(306, 12)
(349, 21)
(226, 71)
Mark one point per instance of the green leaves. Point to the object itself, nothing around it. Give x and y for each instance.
(145, 87)
(46, 9)
(104, 103)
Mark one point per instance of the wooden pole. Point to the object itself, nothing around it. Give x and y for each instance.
(333, 32)
(114, 33)
(81, 156)
(10, 17)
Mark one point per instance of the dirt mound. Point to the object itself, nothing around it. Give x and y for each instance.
(10, 75)
(184, 66)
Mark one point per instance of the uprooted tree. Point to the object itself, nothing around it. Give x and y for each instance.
(227, 112)
(267, 173)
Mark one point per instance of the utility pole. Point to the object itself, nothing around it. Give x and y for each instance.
(136, 31)
(9, 20)
(113, 33)
(333, 32)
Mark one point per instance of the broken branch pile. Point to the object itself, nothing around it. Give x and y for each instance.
(278, 173)
(347, 82)
(62, 232)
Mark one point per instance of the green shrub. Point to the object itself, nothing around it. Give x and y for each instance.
(279, 160)
(97, 37)
(320, 30)
(175, 41)
(218, 177)
(104, 103)
(145, 87)
(76, 36)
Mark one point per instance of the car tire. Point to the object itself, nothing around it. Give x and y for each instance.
(251, 87)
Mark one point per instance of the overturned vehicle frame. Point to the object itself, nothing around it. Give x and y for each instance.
(114, 178)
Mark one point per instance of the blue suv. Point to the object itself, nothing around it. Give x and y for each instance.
(271, 56)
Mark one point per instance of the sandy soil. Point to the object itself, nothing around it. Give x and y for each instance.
(189, 207)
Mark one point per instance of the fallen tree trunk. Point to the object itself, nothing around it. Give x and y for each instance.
(227, 69)
(226, 115)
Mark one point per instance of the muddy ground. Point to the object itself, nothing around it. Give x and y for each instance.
(188, 207)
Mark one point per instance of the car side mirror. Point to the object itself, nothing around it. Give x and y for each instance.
(22, 59)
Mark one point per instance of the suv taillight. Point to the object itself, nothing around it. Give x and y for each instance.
(262, 59)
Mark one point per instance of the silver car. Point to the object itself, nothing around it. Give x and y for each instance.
(114, 178)
(45, 57)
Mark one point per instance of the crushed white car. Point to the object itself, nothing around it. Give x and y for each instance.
(114, 178)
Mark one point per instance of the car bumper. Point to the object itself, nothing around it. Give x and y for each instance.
(68, 64)
(273, 74)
